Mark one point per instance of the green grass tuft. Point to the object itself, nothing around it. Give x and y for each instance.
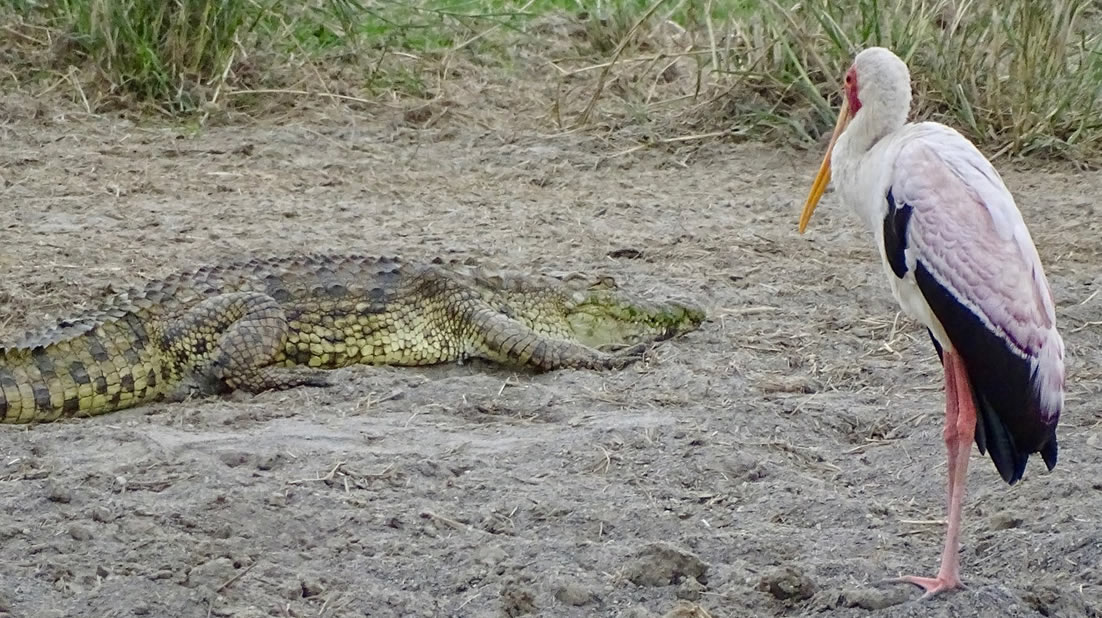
(156, 50)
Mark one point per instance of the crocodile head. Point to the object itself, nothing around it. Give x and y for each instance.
(602, 318)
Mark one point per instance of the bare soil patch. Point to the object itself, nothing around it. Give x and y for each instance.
(779, 461)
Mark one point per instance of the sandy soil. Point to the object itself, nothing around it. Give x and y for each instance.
(779, 461)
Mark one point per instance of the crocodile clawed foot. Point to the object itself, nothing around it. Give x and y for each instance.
(626, 356)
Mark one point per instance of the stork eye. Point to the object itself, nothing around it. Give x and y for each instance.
(849, 78)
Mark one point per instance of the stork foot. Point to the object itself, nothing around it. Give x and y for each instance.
(932, 585)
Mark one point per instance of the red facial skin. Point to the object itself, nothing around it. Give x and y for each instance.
(851, 91)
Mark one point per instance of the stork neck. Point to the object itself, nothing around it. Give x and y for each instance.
(859, 164)
(869, 125)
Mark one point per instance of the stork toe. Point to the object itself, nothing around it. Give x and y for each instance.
(932, 585)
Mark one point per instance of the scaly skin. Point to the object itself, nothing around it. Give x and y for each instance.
(276, 323)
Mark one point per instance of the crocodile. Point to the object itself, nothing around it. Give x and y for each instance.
(274, 323)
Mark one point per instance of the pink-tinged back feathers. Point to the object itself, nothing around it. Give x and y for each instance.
(971, 236)
(964, 263)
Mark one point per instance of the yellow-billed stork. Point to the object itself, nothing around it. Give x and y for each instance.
(960, 260)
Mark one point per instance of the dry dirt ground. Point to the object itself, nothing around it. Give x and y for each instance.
(779, 461)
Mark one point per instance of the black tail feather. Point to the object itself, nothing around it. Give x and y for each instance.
(1048, 452)
(992, 435)
(1009, 423)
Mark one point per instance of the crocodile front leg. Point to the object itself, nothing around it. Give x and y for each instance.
(502, 339)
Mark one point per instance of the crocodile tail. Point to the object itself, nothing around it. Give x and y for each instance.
(26, 390)
(94, 371)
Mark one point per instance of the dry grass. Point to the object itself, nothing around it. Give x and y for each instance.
(1020, 78)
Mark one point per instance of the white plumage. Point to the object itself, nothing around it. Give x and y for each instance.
(960, 260)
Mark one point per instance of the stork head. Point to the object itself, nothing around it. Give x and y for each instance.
(880, 83)
(877, 99)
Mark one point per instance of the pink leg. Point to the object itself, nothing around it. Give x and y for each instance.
(960, 428)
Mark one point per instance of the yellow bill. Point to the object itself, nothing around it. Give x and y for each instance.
(822, 179)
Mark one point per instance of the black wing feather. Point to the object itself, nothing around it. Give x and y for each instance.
(895, 235)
